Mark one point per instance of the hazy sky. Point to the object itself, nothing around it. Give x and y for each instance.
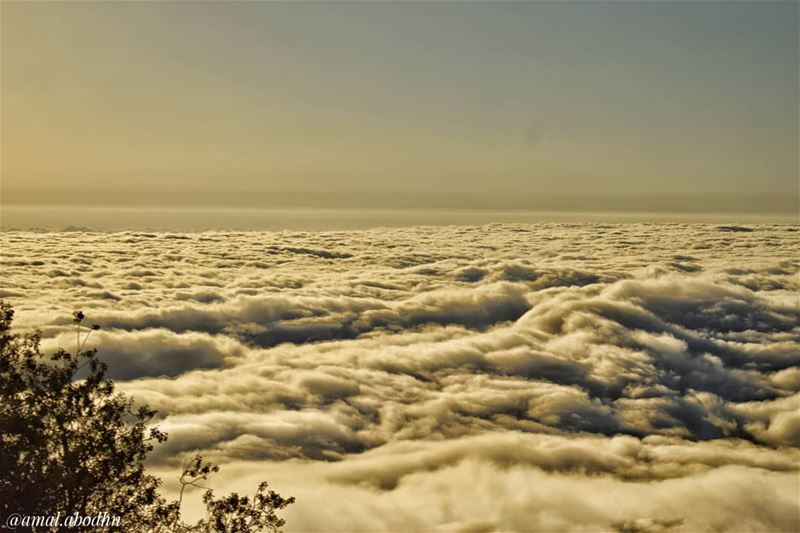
(496, 103)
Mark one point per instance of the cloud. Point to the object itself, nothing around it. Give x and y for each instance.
(154, 352)
(553, 377)
(472, 493)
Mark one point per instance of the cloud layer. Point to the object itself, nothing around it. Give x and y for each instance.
(507, 377)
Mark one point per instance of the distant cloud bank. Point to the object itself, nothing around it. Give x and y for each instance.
(547, 377)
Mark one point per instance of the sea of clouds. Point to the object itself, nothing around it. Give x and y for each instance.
(544, 377)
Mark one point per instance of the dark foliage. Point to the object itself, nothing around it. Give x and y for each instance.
(70, 443)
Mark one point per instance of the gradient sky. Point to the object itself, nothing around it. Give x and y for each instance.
(502, 104)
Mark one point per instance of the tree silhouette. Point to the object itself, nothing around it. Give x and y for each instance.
(69, 443)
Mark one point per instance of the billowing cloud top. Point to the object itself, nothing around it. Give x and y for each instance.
(541, 377)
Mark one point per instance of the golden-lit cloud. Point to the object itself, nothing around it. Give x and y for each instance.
(551, 377)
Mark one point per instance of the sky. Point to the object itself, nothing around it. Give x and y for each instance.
(501, 105)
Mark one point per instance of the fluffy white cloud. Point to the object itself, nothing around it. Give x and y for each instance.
(553, 377)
